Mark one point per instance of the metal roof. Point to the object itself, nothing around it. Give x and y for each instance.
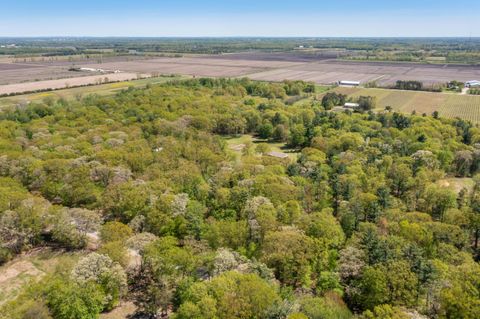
(350, 82)
(351, 105)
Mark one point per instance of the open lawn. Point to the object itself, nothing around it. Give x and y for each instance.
(457, 184)
(449, 105)
(237, 144)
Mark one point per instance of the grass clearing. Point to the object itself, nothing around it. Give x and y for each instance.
(28, 268)
(457, 184)
(233, 144)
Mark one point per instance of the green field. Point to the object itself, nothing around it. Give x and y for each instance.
(102, 89)
(448, 105)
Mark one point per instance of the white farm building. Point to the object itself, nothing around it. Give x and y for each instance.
(472, 84)
(349, 83)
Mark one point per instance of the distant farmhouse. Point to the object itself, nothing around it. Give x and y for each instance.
(472, 84)
(349, 83)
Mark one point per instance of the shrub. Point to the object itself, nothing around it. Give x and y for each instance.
(68, 300)
(115, 231)
(101, 270)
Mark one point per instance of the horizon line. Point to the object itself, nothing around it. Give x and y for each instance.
(242, 36)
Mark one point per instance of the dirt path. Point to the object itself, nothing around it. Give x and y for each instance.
(123, 310)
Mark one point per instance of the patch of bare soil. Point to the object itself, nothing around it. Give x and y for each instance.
(14, 275)
(123, 311)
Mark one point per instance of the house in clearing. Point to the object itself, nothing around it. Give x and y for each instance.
(277, 155)
(349, 83)
(472, 84)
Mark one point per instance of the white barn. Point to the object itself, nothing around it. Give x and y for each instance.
(352, 106)
(349, 83)
(472, 84)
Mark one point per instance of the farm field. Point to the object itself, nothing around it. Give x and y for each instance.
(15, 73)
(33, 69)
(447, 104)
(278, 67)
(321, 68)
(65, 83)
(329, 71)
(102, 89)
(197, 66)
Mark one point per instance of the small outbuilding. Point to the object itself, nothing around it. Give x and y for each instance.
(349, 83)
(472, 84)
(352, 106)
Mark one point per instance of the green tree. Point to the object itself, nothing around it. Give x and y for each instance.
(265, 131)
(329, 307)
(290, 254)
(115, 231)
(68, 300)
(297, 135)
(438, 200)
(100, 269)
(230, 295)
(367, 103)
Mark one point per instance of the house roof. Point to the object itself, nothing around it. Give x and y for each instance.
(350, 82)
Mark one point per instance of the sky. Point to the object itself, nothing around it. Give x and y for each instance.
(215, 18)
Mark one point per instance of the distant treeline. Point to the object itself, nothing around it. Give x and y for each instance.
(246, 86)
(409, 85)
(458, 50)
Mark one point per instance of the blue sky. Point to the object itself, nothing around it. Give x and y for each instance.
(239, 18)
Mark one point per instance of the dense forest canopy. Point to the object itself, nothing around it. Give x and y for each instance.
(357, 222)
